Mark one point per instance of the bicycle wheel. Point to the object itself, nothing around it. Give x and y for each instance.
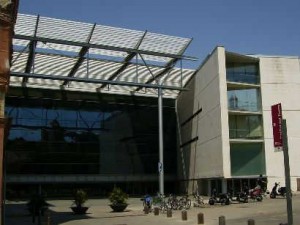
(188, 204)
(175, 204)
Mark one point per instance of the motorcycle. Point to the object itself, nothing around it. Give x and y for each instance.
(277, 190)
(219, 198)
(147, 203)
(256, 194)
(240, 196)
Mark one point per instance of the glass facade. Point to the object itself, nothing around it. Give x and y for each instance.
(244, 100)
(242, 73)
(245, 121)
(245, 126)
(114, 135)
(247, 159)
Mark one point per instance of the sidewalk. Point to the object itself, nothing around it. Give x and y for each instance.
(270, 211)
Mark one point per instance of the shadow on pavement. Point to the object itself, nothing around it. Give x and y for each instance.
(18, 214)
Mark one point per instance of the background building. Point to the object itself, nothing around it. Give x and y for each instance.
(226, 126)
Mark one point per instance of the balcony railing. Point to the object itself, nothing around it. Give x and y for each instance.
(244, 134)
(243, 78)
(236, 105)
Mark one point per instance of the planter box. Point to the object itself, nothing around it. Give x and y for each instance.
(118, 207)
(79, 210)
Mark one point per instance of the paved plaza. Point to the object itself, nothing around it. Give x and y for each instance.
(270, 211)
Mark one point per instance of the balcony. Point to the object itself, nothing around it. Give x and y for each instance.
(247, 100)
(247, 78)
(245, 134)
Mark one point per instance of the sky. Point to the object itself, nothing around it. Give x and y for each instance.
(264, 27)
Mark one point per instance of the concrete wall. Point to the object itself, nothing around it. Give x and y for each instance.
(280, 83)
(209, 156)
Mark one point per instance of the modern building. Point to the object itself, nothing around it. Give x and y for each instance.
(226, 124)
(87, 110)
(86, 102)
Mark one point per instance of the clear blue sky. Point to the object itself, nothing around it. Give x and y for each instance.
(269, 27)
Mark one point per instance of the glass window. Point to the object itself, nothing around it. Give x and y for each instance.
(244, 100)
(64, 137)
(246, 127)
(242, 73)
(247, 159)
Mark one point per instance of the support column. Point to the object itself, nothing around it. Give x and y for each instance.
(209, 187)
(161, 145)
(224, 186)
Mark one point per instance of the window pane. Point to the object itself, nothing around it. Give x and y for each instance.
(242, 73)
(247, 159)
(244, 100)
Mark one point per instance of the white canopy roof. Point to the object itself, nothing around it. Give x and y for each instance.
(61, 54)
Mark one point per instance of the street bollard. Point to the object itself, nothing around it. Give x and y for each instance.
(169, 213)
(184, 215)
(222, 220)
(146, 209)
(156, 211)
(251, 222)
(200, 218)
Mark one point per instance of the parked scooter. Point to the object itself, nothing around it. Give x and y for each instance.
(239, 197)
(277, 190)
(219, 198)
(147, 203)
(256, 194)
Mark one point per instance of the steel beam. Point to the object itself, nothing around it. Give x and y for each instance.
(31, 46)
(168, 67)
(81, 57)
(97, 81)
(106, 47)
(126, 61)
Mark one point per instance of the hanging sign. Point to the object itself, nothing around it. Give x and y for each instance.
(277, 126)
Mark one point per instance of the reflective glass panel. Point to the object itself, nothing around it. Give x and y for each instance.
(110, 136)
(242, 73)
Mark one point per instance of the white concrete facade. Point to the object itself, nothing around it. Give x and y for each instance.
(203, 115)
(280, 83)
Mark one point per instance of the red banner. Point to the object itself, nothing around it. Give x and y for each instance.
(277, 125)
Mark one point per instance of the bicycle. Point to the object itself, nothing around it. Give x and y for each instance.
(161, 203)
(198, 200)
(185, 202)
(173, 202)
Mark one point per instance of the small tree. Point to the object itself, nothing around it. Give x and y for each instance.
(117, 196)
(80, 197)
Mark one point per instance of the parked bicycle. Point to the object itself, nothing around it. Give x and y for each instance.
(198, 200)
(184, 202)
(173, 202)
(160, 202)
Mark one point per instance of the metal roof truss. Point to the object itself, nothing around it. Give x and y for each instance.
(61, 54)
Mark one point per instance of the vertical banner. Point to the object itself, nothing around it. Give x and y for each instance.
(277, 126)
